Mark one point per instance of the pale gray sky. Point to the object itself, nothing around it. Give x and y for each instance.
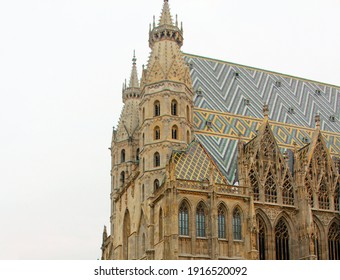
(62, 64)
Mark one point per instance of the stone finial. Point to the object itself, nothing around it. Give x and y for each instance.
(317, 121)
(265, 110)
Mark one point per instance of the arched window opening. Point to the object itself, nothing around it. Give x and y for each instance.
(157, 108)
(282, 240)
(174, 106)
(323, 196)
(122, 156)
(336, 198)
(160, 224)
(270, 190)
(188, 113)
(126, 234)
(157, 133)
(156, 185)
(156, 160)
(174, 132)
(143, 139)
(137, 155)
(122, 178)
(143, 164)
(255, 185)
(143, 193)
(188, 137)
(261, 238)
(287, 192)
(221, 222)
(183, 220)
(316, 239)
(237, 226)
(143, 115)
(200, 220)
(334, 242)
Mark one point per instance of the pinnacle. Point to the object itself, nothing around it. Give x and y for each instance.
(166, 18)
(134, 83)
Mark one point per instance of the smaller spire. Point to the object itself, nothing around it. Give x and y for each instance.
(165, 16)
(265, 110)
(134, 83)
(317, 121)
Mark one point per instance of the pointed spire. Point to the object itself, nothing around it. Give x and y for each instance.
(317, 121)
(265, 111)
(134, 83)
(166, 16)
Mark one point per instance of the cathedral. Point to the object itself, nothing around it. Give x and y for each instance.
(215, 160)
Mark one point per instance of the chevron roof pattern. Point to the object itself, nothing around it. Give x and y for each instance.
(229, 99)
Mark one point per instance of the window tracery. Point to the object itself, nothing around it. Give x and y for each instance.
(200, 220)
(183, 220)
(282, 240)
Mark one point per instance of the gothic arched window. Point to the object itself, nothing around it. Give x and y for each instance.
(156, 160)
(270, 191)
(200, 220)
(122, 156)
(334, 242)
(160, 224)
(323, 196)
(174, 132)
(287, 192)
(143, 139)
(188, 113)
(255, 185)
(143, 114)
(282, 240)
(157, 133)
(157, 108)
(174, 106)
(137, 155)
(237, 226)
(316, 238)
(221, 222)
(126, 234)
(183, 219)
(156, 185)
(122, 178)
(188, 137)
(143, 192)
(261, 238)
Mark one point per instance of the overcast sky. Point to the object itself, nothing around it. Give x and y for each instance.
(62, 65)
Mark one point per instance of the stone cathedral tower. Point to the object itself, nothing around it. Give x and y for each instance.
(212, 173)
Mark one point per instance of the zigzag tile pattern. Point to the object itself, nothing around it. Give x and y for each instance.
(223, 88)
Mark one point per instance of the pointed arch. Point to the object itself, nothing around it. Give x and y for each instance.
(156, 185)
(282, 240)
(122, 178)
(221, 221)
(122, 155)
(316, 238)
(157, 108)
(334, 241)
(183, 218)
(160, 224)
(142, 231)
(270, 189)
(156, 159)
(237, 223)
(126, 234)
(174, 107)
(156, 133)
(262, 237)
(188, 113)
(200, 220)
(174, 132)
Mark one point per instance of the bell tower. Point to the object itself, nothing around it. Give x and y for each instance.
(166, 100)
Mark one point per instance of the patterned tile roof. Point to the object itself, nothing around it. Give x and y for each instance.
(229, 100)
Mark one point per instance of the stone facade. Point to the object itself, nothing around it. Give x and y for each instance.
(169, 199)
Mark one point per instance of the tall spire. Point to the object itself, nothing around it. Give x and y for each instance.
(134, 83)
(165, 16)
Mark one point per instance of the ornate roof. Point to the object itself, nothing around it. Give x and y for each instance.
(229, 101)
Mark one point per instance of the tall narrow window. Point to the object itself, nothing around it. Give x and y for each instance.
(122, 156)
(157, 133)
(261, 238)
(188, 137)
(270, 190)
(143, 192)
(282, 240)
(287, 192)
(221, 222)
(143, 114)
(157, 108)
(183, 220)
(143, 139)
(174, 132)
(323, 196)
(254, 185)
(188, 113)
(174, 106)
(200, 220)
(336, 198)
(137, 155)
(126, 234)
(156, 185)
(156, 160)
(237, 226)
(143, 164)
(310, 193)
(160, 224)
(316, 239)
(122, 178)
(334, 242)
